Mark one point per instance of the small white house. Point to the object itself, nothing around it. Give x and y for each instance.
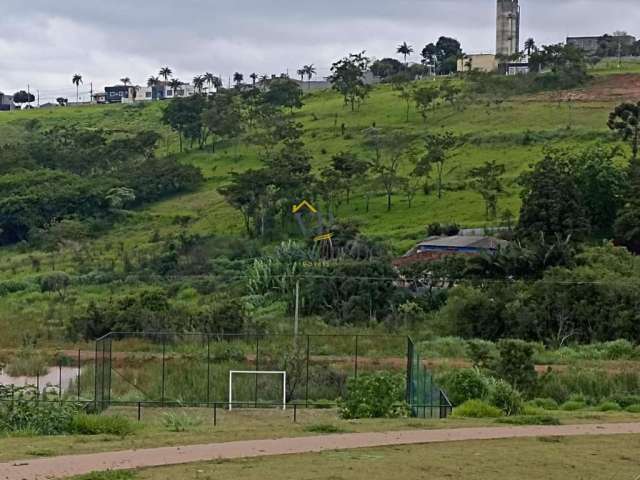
(6, 102)
(161, 91)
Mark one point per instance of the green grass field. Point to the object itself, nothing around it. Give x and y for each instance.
(601, 458)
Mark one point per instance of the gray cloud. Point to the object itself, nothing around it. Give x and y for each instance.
(42, 43)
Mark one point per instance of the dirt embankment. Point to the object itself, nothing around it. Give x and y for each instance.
(613, 88)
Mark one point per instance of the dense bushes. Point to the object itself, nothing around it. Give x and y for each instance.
(476, 409)
(52, 418)
(374, 396)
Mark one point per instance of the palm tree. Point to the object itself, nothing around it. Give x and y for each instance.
(238, 78)
(301, 73)
(165, 72)
(217, 83)
(175, 84)
(309, 71)
(405, 50)
(152, 81)
(77, 80)
(254, 78)
(209, 78)
(530, 46)
(198, 83)
(125, 81)
(264, 80)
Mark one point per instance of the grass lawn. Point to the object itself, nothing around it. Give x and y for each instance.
(578, 458)
(248, 425)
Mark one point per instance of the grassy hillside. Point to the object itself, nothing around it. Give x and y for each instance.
(513, 133)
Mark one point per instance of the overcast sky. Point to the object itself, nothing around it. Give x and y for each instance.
(44, 42)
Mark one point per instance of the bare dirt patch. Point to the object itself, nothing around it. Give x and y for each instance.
(613, 88)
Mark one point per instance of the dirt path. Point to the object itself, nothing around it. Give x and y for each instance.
(61, 467)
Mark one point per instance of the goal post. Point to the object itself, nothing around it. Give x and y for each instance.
(258, 372)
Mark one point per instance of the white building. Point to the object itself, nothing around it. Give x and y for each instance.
(6, 102)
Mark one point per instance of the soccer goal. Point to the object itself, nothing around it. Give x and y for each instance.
(257, 373)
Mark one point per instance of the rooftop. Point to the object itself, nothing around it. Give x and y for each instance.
(461, 241)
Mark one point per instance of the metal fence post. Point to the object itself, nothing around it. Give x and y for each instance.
(307, 384)
(59, 380)
(257, 369)
(164, 348)
(208, 370)
(78, 379)
(356, 365)
(139, 411)
(95, 379)
(215, 414)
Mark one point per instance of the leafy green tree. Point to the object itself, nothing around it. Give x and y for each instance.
(450, 91)
(222, 118)
(125, 81)
(284, 93)
(602, 184)
(198, 83)
(551, 202)
(405, 50)
(386, 68)
(351, 170)
(405, 91)
(425, 98)
(487, 181)
(347, 78)
(254, 78)
(23, 97)
(184, 115)
(238, 78)
(625, 120)
(439, 149)
(444, 55)
(397, 147)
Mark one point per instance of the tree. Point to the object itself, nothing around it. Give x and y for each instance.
(450, 91)
(309, 72)
(238, 78)
(350, 169)
(443, 55)
(347, 78)
(602, 184)
(23, 97)
(125, 81)
(198, 83)
(284, 93)
(62, 101)
(184, 115)
(551, 202)
(152, 81)
(405, 50)
(405, 91)
(301, 73)
(77, 80)
(166, 73)
(223, 117)
(625, 120)
(425, 97)
(439, 147)
(212, 81)
(565, 60)
(530, 46)
(487, 181)
(397, 146)
(254, 79)
(175, 84)
(386, 68)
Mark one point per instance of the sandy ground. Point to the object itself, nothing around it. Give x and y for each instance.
(66, 466)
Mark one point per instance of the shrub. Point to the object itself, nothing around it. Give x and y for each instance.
(532, 411)
(481, 352)
(531, 420)
(505, 397)
(572, 406)
(466, 384)
(633, 408)
(625, 400)
(23, 416)
(28, 362)
(108, 475)
(476, 409)
(609, 407)
(180, 422)
(545, 403)
(84, 424)
(515, 364)
(324, 428)
(374, 396)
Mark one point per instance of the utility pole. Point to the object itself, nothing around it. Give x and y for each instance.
(38, 92)
(91, 86)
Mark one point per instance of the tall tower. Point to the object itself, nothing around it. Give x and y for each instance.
(508, 28)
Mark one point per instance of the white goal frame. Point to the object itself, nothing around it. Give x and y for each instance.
(258, 372)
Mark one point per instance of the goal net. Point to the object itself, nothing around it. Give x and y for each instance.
(254, 388)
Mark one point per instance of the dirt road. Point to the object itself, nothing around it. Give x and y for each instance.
(61, 467)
